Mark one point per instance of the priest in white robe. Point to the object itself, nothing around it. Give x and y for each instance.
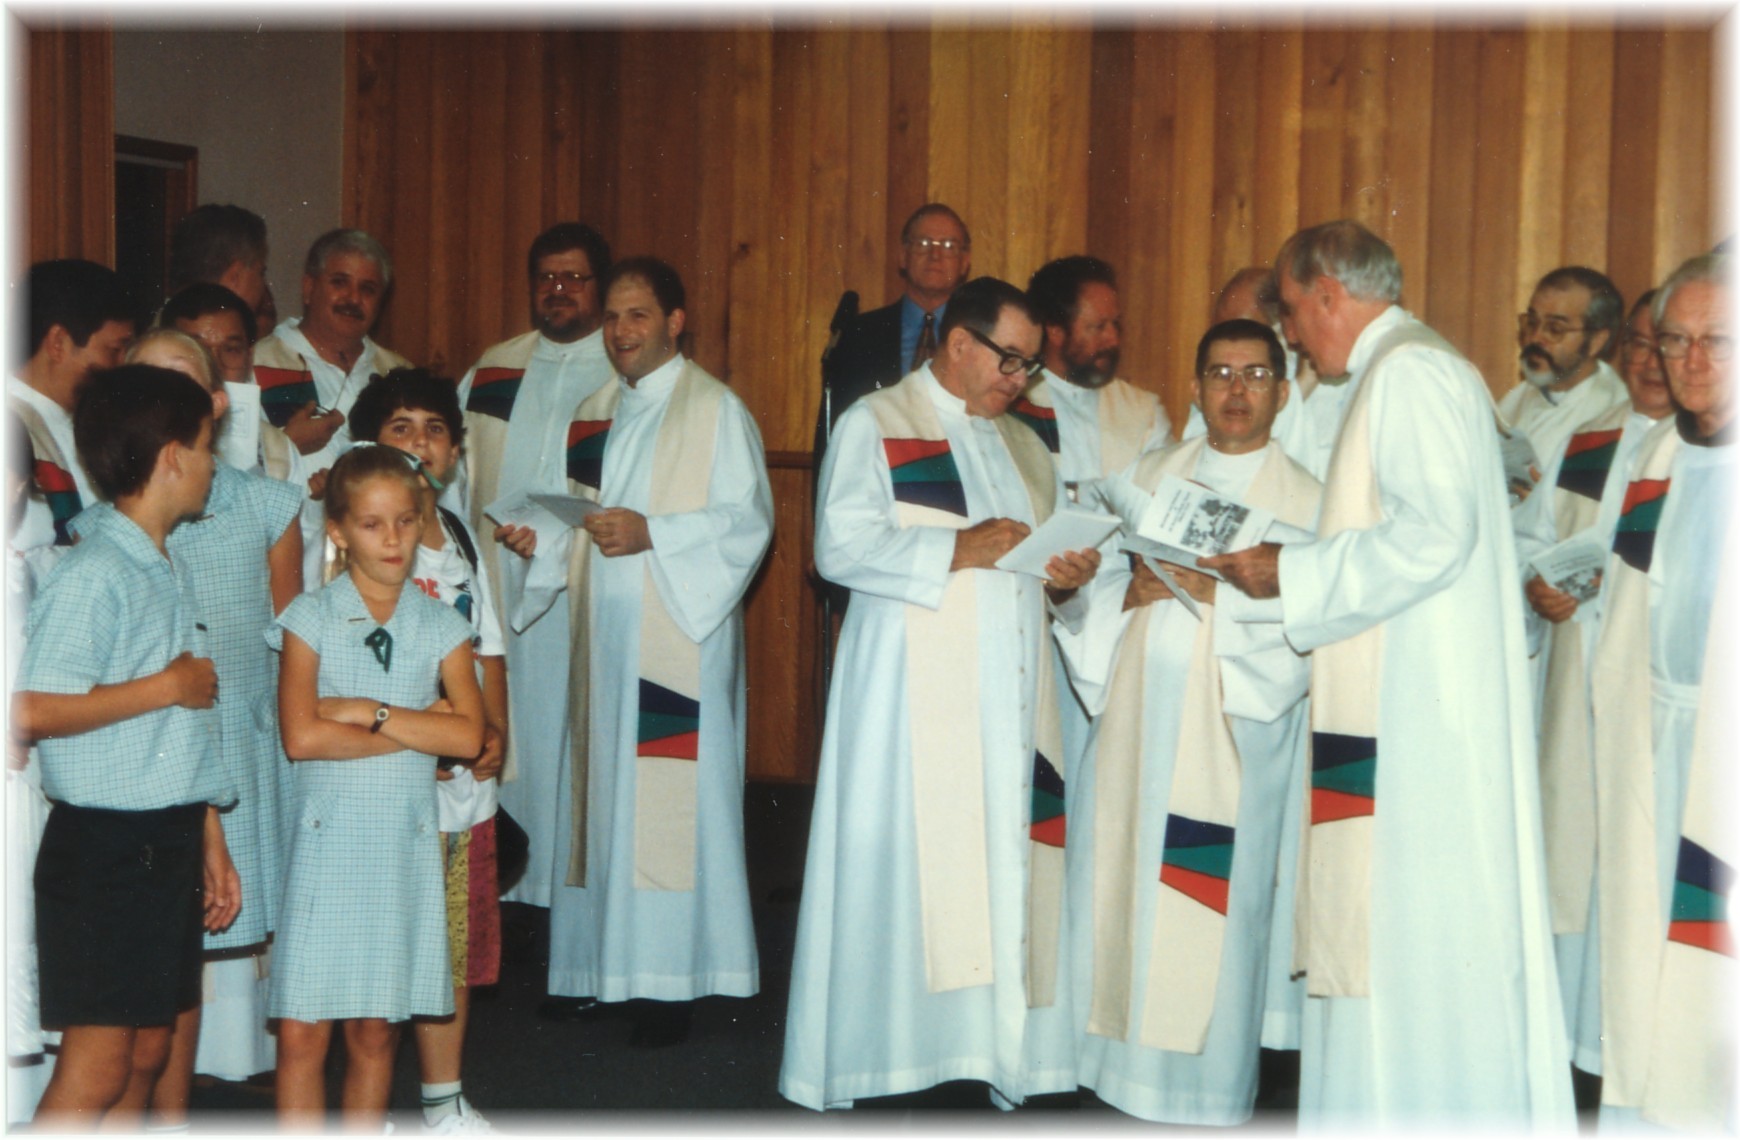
(518, 400)
(929, 941)
(653, 895)
(1664, 729)
(1582, 492)
(311, 370)
(1568, 333)
(1180, 805)
(1422, 928)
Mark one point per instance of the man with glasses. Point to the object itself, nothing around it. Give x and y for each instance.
(1663, 700)
(1582, 492)
(1566, 337)
(881, 346)
(1422, 900)
(1177, 824)
(518, 399)
(930, 941)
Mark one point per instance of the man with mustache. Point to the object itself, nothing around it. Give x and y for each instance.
(518, 399)
(1583, 490)
(1567, 335)
(311, 370)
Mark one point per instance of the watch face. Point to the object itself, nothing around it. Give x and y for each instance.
(381, 713)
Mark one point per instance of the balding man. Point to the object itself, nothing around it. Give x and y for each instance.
(1423, 930)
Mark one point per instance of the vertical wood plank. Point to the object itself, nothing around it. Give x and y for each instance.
(1685, 178)
(1236, 166)
(1152, 92)
(1491, 340)
(1365, 164)
(1637, 86)
(1280, 125)
(1541, 195)
(1408, 130)
(1110, 101)
(1589, 144)
(1450, 233)
(1323, 126)
(910, 183)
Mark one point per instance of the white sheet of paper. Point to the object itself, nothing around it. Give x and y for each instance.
(533, 583)
(1153, 551)
(1573, 566)
(571, 509)
(1521, 466)
(1071, 528)
(238, 441)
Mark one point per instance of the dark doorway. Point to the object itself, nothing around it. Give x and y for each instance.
(156, 185)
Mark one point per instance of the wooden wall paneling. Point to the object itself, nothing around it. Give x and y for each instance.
(525, 155)
(948, 126)
(589, 82)
(1148, 233)
(70, 142)
(787, 366)
(1280, 125)
(1070, 78)
(1637, 83)
(1588, 146)
(709, 286)
(1498, 296)
(1190, 255)
(419, 112)
(1541, 196)
(829, 228)
(1365, 162)
(1236, 167)
(909, 184)
(1407, 128)
(980, 134)
(1441, 296)
(866, 250)
(1686, 177)
(478, 279)
(751, 191)
(780, 635)
(1323, 126)
(1110, 98)
(1036, 186)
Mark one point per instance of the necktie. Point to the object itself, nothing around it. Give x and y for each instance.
(926, 342)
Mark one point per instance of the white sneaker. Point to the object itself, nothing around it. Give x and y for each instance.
(466, 1120)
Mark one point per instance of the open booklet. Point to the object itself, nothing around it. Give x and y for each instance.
(1185, 521)
(1071, 528)
(1573, 566)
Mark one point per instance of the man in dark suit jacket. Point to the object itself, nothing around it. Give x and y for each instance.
(878, 348)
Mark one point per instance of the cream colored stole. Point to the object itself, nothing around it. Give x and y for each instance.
(669, 670)
(1126, 416)
(1332, 922)
(1692, 1059)
(1196, 859)
(1566, 764)
(53, 472)
(488, 406)
(286, 383)
(942, 663)
(1630, 900)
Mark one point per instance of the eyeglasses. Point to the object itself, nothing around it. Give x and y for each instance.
(1554, 328)
(1009, 363)
(1677, 346)
(1637, 347)
(568, 280)
(941, 245)
(1257, 377)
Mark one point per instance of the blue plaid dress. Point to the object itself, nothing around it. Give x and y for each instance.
(362, 929)
(224, 551)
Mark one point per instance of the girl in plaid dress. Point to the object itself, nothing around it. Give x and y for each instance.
(362, 929)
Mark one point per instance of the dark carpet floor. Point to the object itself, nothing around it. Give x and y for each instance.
(528, 1073)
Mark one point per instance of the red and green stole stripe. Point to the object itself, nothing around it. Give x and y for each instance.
(1700, 905)
(62, 492)
(668, 712)
(284, 391)
(493, 391)
(925, 475)
(1588, 459)
(1041, 418)
(1343, 776)
(1196, 860)
(1634, 540)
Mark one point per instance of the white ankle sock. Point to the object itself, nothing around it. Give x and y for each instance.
(440, 1100)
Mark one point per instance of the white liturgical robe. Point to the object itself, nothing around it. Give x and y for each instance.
(1548, 419)
(1448, 1008)
(866, 1017)
(518, 400)
(618, 938)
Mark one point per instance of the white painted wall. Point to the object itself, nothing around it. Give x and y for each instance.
(264, 107)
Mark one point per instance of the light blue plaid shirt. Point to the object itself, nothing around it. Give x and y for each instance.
(112, 611)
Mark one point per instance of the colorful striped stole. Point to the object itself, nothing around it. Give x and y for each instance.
(1189, 926)
(1566, 752)
(669, 706)
(284, 391)
(1126, 417)
(52, 472)
(1629, 904)
(493, 391)
(1692, 1056)
(942, 671)
(1332, 920)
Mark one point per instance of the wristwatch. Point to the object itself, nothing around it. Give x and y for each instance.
(381, 715)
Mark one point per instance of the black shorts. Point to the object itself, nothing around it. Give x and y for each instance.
(120, 900)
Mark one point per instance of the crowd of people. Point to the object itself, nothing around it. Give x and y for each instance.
(1416, 768)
